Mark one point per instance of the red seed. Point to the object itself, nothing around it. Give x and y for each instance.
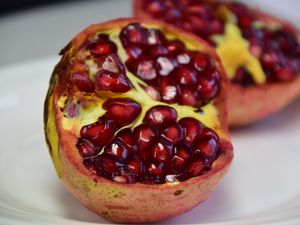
(108, 81)
(192, 127)
(185, 76)
(160, 116)
(116, 148)
(160, 152)
(182, 153)
(113, 64)
(155, 169)
(207, 148)
(123, 111)
(82, 82)
(173, 133)
(146, 70)
(196, 167)
(134, 52)
(103, 48)
(285, 74)
(125, 136)
(155, 37)
(143, 135)
(189, 97)
(134, 165)
(158, 50)
(207, 88)
(168, 89)
(133, 34)
(100, 132)
(202, 62)
(106, 165)
(175, 46)
(164, 66)
(86, 148)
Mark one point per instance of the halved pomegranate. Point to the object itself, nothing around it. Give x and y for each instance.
(260, 53)
(135, 120)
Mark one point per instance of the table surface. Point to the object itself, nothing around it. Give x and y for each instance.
(43, 31)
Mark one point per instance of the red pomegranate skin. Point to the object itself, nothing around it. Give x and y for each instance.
(121, 202)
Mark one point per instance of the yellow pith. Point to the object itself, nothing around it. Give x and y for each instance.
(234, 52)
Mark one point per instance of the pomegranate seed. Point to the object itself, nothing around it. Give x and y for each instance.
(285, 74)
(86, 148)
(134, 165)
(207, 147)
(143, 135)
(156, 169)
(123, 111)
(181, 156)
(158, 50)
(146, 70)
(82, 82)
(164, 66)
(172, 14)
(113, 82)
(155, 7)
(116, 148)
(133, 34)
(153, 93)
(103, 48)
(196, 167)
(192, 127)
(125, 136)
(202, 62)
(89, 164)
(189, 97)
(134, 52)
(185, 76)
(173, 133)
(155, 37)
(160, 152)
(113, 64)
(100, 132)
(106, 165)
(208, 88)
(169, 90)
(160, 116)
(175, 46)
(184, 58)
(243, 77)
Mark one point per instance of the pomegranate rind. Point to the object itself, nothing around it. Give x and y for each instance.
(129, 203)
(252, 104)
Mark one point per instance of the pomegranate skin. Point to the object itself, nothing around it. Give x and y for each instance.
(119, 202)
(252, 104)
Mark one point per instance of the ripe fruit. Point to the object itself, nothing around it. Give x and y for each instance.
(118, 150)
(260, 53)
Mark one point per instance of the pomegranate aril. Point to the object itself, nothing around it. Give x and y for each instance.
(189, 97)
(155, 37)
(160, 116)
(182, 153)
(185, 76)
(183, 58)
(169, 90)
(103, 48)
(285, 75)
(158, 50)
(201, 62)
(108, 81)
(123, 111)
(172, 15)
(116, 148)
(134, 52)
(192, 127)
(153, 93)
(243, 77)
(173, 133)
(82, 82)
(160, 152)
(156, 7)
(196, 166)
(146, 70)
(125, 136)
(112, 64)
(207, 88)
(134, 165)
(143, 135)
(106, 165)
(155, 169)
(86, 148)
(89, 164)
(164, 66)
(133, 34)
(175, 46)
(207, 148)
(99, 133)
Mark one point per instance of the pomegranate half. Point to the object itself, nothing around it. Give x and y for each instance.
(260, 53)
(135, 120)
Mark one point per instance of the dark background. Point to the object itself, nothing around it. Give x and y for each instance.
(9, 6)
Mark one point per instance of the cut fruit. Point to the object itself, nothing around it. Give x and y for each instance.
(126, 150)
(260, 53)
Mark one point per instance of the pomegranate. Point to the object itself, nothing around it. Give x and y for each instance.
(144, 144)
(260, 53)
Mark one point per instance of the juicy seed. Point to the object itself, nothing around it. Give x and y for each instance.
(123, 111)
(186, 76)
(192, 127)
(134, 165)
(133, 34)
(201, 62)
(173, 133)
(155, 169)
(196, 167)
(100, 132)
(160, 116)
(82, 82)
(181, 156)
(189, 97)
(207, 148)
(169, 90)
(155, 37)
(164, 66)
(125, 136)
(108, 81)
(86, 148)
(117, 149)
(143, 135)
(160, 152)
(106, 165)
(146, 70)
